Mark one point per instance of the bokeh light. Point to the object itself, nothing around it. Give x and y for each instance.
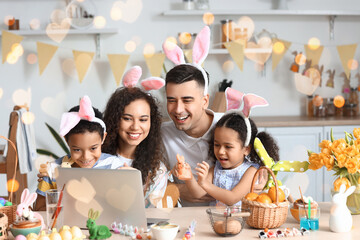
(228, 66)
(265, 42)
(28, 118)
(21, 97)
(171, 39)
(208, 18)
(115, 13)
(137, 40)
(149, 49)
(300, 59)
(318, 101)
(99, 22)
(17, 49)
(248, 23)
(1, 92)
(278, 47)
(352, 64)
(185, 37)
(170, 45)
(35, 24)
(31, 58)
(314, 43)
(339, 101)
(130, 46)
(11, 58)
(130, 10)
(57, 16)
(12, 185)
(69, 68)
(7, 18)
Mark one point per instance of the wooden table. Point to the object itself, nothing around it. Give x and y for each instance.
(184, 216)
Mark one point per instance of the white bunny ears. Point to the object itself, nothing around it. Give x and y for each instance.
(235, 99)
(132, 76)
(199, 53)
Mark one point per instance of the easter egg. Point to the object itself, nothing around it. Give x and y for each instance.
(8, 203)
(1, 205)
(272, 194)
(2, 201)
(233, 227)
(66, 235)
(20, 237)
(55, 235)
(219, 227)
(251, 196)
(31, 236)
(65, 227)
(76, 232)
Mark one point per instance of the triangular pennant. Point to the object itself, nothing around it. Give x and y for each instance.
(236, 50)
(188, 55)
(155, 63)
(82, 62)
(346, 53)
(118, 63)
(8, 40)
(280, 47)
(313, 54)
(45, 54)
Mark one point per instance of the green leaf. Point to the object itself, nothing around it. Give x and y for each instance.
(309, 152)
(59, 140)
(46, 152)
(332, 135)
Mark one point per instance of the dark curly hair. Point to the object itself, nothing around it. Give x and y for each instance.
(148, 153)
(184, 73)
(236, 122)
(86, 126)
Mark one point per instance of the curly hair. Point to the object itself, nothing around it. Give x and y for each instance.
(148, 153)
(86, 126)
(236, 122)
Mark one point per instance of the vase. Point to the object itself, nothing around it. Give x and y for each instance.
(353, 201)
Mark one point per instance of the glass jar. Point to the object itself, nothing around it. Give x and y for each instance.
(188, 4)
(202, 4)
(226, 31)
(309, 106)
(339, 112)
(330, 107)
(354, 99)
(350, 110)
(321, 110)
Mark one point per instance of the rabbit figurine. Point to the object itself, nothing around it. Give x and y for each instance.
(340, 216)
(23, 209)
(96, 232)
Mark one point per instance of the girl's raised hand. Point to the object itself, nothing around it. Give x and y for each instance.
(202, 172)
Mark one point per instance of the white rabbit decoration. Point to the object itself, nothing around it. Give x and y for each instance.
(23, 209)
(340, 216)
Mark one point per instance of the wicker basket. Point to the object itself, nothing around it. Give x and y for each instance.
(10, 212)
(266, 215)
(3, 226)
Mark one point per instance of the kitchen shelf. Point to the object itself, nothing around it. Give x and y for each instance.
(92, 31)
(246, 50)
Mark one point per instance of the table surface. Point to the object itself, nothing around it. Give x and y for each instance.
(184, 216)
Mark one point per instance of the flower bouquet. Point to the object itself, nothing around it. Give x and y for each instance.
(343, 157)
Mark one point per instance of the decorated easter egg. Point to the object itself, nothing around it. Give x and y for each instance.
(1, 205)
(55, 235)
(66, 234)
(2, 201)
(32, 236)
(8, 203)
(43, 236)
(219, 227)
(233, 226)
(76, 232)
(20, 237)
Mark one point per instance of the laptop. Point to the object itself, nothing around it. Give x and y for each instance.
(116, 194)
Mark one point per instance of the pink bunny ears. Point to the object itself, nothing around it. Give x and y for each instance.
(132, 76)
(235, 99)
(199, 53)
(70, 119)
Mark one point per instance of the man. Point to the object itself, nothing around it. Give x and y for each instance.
(190, 129)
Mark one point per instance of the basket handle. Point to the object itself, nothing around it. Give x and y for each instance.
(274, 178)
(16, 162)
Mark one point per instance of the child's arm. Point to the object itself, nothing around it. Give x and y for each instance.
(233, 196)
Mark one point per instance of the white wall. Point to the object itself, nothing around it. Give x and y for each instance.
(152, 27)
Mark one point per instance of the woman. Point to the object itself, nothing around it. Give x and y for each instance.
(133, 124)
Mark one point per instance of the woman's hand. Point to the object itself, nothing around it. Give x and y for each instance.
(126, 166)
(202, 172)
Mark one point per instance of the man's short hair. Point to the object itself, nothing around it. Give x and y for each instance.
(184, 73)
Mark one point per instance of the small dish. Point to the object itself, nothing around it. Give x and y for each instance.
(165, 232)
(24, 231)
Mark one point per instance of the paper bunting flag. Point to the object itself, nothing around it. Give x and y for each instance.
(283, 166)
(118, 64)
(236, 51)
(155, 63)
(346, 53)
(313, 54)
(8, 40)
(280, 47)
(45, 54)
(82, 62)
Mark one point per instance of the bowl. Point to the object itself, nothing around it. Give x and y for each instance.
(295, 213)
(24, 231)
(164, 232)
(227, 221)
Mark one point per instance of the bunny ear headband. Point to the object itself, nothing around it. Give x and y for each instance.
(132, 76)
(199, 53)
(70, 119)
(235, 99)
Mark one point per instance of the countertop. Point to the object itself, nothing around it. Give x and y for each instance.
(304, 121)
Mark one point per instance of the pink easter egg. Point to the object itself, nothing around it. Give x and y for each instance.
(20, 237)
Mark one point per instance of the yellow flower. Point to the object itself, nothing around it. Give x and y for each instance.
(352, 165)
(338, 145)
(351, 151)
(328, 160)
(356, 133)
(325, 144)
(341, 160)
(315, 161)
(338, 182)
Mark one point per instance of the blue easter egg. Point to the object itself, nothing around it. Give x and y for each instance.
(2, 201)
(1, 205)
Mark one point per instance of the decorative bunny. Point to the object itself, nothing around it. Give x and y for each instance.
(23, 209)
(340, 216)
(96, 232)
